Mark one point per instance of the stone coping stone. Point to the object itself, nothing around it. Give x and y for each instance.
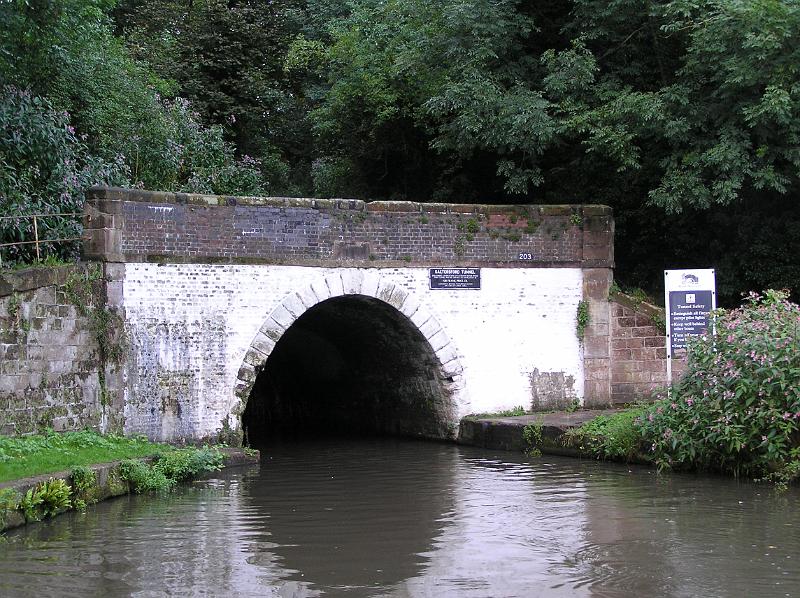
(648, 309)
(36, 277)
(117, 194)
(106, 487)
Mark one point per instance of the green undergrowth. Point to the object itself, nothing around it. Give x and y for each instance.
(736, 409)
(169, 468)
(517, 411)
(614, 436)
(38, 454)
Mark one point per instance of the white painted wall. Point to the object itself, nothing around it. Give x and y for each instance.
(197, 321)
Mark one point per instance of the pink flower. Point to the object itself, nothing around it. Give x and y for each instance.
(690, 402)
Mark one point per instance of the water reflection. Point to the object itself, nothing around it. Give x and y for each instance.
(353, 516)
(397, 518)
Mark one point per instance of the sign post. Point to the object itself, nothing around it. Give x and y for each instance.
(689, 297)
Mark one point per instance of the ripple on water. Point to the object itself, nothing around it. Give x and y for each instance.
(397, 518)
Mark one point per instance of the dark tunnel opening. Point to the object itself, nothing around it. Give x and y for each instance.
(350, 365)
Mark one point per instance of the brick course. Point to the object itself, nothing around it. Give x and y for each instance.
(125, 225)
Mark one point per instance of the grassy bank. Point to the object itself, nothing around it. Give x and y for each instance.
(50, 452)
(88, 467)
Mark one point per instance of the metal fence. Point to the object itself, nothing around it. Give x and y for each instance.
(37, 242)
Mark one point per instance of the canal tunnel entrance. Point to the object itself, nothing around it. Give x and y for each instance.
(349, 365)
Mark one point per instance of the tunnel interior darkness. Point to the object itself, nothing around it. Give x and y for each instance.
(349, 365)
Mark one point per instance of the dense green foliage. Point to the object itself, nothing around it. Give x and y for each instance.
(737, 408)
(76, 110)
(680, 114)
(169, 468)
(50, 452)
(44, 169)
(46, 499)
(39, 454)
(609, 436)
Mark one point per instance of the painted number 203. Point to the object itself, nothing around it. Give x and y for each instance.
(526, 256)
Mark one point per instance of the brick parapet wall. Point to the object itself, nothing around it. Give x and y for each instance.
(144, 226)
(50, 361)
(638, 350)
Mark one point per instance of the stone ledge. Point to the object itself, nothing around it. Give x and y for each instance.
(30, 279)
(507, 433)
(642, 307)
(119, 194)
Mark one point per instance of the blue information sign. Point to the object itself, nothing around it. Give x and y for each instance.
(688, 314)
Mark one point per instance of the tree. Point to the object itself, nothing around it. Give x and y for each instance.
(66, 52)
(227, 59)
(44, 169)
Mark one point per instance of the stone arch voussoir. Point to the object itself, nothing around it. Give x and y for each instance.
(368, 283)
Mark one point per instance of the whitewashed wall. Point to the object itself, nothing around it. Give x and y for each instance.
(191, 325)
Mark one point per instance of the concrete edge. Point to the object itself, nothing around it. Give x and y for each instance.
(107, 485)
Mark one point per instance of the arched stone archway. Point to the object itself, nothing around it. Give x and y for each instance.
(408, 378)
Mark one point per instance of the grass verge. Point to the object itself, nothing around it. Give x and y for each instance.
(38, 454)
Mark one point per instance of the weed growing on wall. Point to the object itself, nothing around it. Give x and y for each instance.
(84, 290)
(84, 484)
(582, 318)
(533, 434)
(46, 499)
(169, 468)
(143, 477)
(737, 408)
(459, 247)
(9, 502)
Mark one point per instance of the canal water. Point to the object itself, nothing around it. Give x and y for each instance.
(400, 518)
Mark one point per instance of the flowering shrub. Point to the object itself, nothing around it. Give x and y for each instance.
(737, 408)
